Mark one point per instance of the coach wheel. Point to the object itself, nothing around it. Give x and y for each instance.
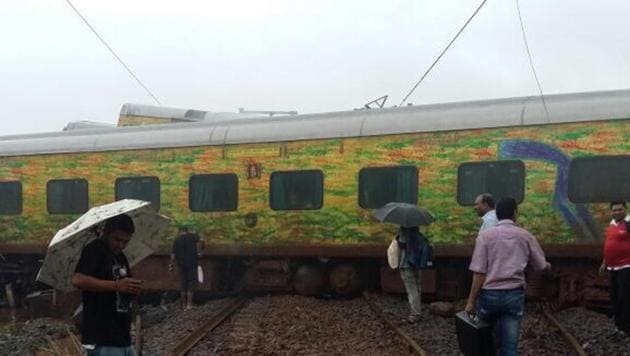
(309, 280)
(345, 280)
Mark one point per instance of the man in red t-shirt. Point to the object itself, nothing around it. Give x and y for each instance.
(617, 262)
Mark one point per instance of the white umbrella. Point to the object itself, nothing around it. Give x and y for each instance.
(65, 248)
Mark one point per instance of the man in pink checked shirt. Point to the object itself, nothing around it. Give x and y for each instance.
(502, 253)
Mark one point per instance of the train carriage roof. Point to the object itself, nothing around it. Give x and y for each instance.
(510, 112)
(178, 114)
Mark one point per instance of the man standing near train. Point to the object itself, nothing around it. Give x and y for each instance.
(617, 262)
(501, 254)
(103, 276)
(484, 207)
(186, 252)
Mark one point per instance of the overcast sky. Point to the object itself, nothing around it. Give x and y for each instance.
(309, 56)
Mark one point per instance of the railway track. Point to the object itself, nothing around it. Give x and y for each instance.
(595, 332)
(543, 334)
(566, 334)
(289, 325)
(296, 325)
(210, 324)
(414, 347)
(255, 329)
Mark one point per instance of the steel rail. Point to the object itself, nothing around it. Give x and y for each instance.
(414, 348)
(193, 338)
(565, 334)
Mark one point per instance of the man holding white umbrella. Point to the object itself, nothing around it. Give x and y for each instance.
(103, 275)
(88, 255)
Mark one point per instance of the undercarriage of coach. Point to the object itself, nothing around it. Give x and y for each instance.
(332, 272)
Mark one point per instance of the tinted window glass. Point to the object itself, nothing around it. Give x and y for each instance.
(297, 190)
(213, 192)
(499, 178)
(599, 179)
(11, 201)
(141, 188)
(67, 196)
(381, 185)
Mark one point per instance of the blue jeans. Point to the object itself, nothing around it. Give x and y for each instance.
(112, 351)
(504, 307)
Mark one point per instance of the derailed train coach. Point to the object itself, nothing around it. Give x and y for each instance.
(285, 203)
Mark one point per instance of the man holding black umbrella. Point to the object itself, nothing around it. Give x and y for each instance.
(411, 241)
(415, 251)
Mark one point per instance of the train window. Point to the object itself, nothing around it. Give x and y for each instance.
(67, 196)
(381, 185)
(141, 188)
(213, 192)
(11, 202)
(499, 178)
(297, 190)
(599, 179)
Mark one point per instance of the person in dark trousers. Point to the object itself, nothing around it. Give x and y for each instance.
(104, 278)
(617, 263)
(186, 252)
(501, 254)
(411, 243)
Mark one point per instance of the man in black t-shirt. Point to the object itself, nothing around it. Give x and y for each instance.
(186, 253)
(103, 276)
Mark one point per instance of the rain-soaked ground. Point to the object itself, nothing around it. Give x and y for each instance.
(295, 325)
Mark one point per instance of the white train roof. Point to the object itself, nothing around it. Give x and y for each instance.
(510, 112)
(86, 124)
(182, 114)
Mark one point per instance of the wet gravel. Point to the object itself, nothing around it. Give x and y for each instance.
(24, 338)
(539, 337)
(295, 325)
(596, 332)
(435, 334)
(164, 326)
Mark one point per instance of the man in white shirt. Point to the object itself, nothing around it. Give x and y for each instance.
(484, 207)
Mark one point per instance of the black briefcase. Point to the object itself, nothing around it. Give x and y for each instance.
(474, 336)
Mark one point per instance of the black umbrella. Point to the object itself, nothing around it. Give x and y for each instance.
(404, 214)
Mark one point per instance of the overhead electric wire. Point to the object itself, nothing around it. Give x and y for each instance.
(443, 51)
(531, 61)
(113, 52)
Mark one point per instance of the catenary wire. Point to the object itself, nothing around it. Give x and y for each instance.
(441, 54)
(531, 61)
(113, 52)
